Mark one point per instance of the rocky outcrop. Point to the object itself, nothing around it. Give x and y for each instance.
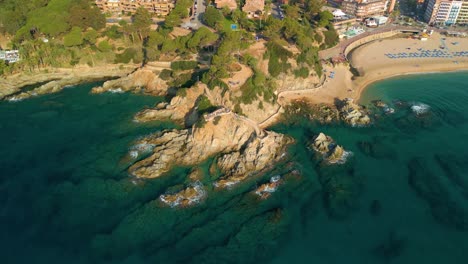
(189, 196)
(326, 146)
(323, 143)
(18, 87)
(352, 114)
(241, 151)
(142, 80)
(176, 110)
(266, 189)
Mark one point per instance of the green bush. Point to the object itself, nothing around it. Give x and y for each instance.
(183, 65)
(331, 37)
(183, 80)
(182, 92)
(204, 105)
(128, 55)
(104, 46)
(165, 74)
(274, 66)
(318, 38)
(303, 72)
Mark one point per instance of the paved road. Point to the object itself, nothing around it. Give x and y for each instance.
(195, 21)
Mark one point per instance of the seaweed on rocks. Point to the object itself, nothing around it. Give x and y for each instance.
(454, 168)
(442, 199)
(375, 208)
(341, 188)
(376, 148)
(391, 247)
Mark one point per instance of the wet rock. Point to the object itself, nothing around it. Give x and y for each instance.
(323, 143)
(266, 189)
(352, 114)
(326, 146)
(189, 196)
(379, 103)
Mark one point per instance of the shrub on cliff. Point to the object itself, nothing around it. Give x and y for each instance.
(74, 38)
(183, 65)
(128, 55)
(303, 72)
(165, 74)
(104, 46)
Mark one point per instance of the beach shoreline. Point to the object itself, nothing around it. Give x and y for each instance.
(361, 85)
(383, 59)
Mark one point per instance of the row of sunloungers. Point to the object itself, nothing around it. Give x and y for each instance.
(427, 54)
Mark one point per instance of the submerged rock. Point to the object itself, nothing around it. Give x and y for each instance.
(376, 148)
(390, 248)
(341, 189)
(375, 208)
(444, 200)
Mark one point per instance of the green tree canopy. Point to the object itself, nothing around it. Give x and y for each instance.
(324, 18)
(142, 22)
(212, 16)
(73, 38)
(85, 15)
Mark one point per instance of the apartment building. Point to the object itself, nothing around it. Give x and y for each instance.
(157, 7)
(364, 8)
(254, 8)
(462, 18)
(446, 12)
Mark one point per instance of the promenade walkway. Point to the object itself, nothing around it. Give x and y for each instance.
(339, 50)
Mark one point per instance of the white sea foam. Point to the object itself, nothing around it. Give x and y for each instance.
(275, 178)
(389, 110)
(14, 99)
(344, 158)
(200, 194)
(133, 154)
(420, 108)
(118, 90)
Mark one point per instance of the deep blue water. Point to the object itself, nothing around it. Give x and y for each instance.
(65, 196)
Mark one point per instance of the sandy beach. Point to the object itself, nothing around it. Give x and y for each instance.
(387, 58)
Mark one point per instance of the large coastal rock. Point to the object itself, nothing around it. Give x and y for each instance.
(326, 146)
(242, 151)
(352, 114)
(176, 110)
(143, 79)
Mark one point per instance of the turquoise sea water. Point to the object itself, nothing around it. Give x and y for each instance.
(65, 196)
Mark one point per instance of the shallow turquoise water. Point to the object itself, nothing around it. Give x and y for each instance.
(65, 196)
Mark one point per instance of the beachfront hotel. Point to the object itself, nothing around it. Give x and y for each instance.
(364, 8)
(157, 7)
(446, 12)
